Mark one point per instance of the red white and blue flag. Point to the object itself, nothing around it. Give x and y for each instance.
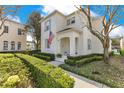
(51, 36)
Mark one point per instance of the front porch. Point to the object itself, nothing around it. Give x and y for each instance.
(68, 43)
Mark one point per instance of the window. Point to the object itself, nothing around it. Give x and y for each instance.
(19, 45)
(6, 28)
(68, 22)
(19, 32)
(71, 21)
(47, 44)
(89, 44)
(12, 45)
(5, 45)
(47, 25)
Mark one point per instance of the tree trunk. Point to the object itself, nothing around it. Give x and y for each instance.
(106, 55)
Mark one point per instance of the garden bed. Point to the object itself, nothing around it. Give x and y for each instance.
(110, 74)
(13, 73)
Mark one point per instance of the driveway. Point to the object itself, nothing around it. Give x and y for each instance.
(80, 82)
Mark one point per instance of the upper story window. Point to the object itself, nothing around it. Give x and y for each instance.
(48, 25)
(20, 31)
(71, 21)
(89, 44)
(5, 45)
(6, 28)
(12, 45)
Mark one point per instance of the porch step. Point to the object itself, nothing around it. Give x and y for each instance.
(61, 59)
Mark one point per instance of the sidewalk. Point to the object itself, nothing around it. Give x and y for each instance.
(80, 81)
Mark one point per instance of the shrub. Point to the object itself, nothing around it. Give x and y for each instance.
(52, 56)
(122, 52)
(70, 62)
(31, 52)
(59, 55)
(88, 60)
(83, 56)
(12, 81)
(47, 58)
(111, 53)
(10, 68)
(83, 61)
(47, 75)
(8, 55)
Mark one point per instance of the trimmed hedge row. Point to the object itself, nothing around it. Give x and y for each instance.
(13, 73)
(83, 56)
(45, 56)
(122, 52)
(46, 75)
(8, 55)
(83, 61)
(88, 60)
(29, 52)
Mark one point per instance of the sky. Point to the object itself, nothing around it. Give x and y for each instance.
(26, 10)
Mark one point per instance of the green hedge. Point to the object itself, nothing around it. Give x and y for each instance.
(122, 52)
(46, 75)
(59, 55)
(47, 58)
(8, 55)
(88, 60)
(13, 73)
(82, 56)
(83, 61)
(52, 56)
(31, 52)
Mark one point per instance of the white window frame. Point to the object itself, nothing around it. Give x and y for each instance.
(47, 25)
(19, 46)
(5, 45)
(6, 29)
(12, 45)
(47, 46)
(89, 46)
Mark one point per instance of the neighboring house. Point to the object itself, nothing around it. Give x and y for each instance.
(30, 41)
(70, 36)
(117, 43)
(14, 38)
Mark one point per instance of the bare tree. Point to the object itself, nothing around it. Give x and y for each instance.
(6, 10)
(110, 16)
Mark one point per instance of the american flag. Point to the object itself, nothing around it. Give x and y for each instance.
(51, 36)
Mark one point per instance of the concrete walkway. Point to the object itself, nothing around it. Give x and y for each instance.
(80, 81)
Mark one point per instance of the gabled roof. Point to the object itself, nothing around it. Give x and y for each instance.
(52, 13)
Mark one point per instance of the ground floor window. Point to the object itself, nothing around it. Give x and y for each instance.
(19, 45)
(5, 45)
(89, 44)
(12, 45)
(47, 46)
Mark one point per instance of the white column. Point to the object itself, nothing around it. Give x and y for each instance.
(72, 46)
(58, 45)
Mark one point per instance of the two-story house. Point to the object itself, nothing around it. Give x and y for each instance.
(14, 38)
(70, 36)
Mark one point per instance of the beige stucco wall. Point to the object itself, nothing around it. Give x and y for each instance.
(58, 23)
(12, 35)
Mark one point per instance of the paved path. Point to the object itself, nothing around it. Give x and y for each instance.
(80, 82)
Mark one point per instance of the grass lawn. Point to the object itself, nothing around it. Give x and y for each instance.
(111, 75)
